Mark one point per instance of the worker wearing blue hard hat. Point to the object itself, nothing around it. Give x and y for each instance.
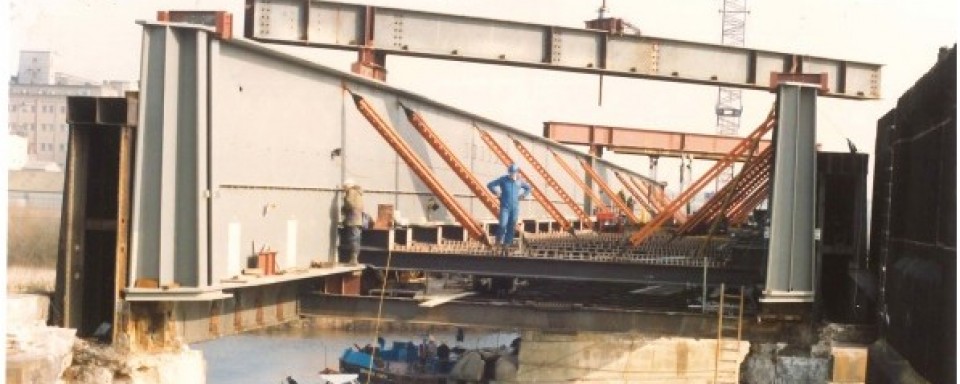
(510, 189)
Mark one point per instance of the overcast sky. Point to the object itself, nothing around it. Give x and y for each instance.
(99, 40)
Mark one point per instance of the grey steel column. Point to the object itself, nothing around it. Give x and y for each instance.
(790, 260)
(169, 219)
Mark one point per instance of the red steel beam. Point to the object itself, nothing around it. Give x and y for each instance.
(740, 151)
(478, 189)
(606, 189)
(553, 184)
(637, 195)
(594, 197)
(423, 172)
(645, 141)
(537, 193)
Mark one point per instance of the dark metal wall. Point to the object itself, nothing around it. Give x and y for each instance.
(842, 219)
(914, 233)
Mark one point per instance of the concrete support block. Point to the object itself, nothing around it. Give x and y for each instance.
(27, 310)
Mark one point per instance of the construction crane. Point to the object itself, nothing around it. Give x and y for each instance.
(729, 103)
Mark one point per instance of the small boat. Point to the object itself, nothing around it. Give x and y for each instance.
(426, 363)
(403, 362)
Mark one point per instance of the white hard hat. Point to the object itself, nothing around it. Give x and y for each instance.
(349, 183)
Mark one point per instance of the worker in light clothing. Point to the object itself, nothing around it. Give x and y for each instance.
(510, 189)
(353, 222)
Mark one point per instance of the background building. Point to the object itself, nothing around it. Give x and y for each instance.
(38, 104)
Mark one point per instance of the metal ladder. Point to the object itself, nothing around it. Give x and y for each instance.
(729, 334)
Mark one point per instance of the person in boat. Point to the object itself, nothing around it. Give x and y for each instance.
(443, 355)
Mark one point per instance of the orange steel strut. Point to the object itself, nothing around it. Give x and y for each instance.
(418, 167)
(455, 164)
(637, 195)
(752, 170)
(738, 151)
(593, 195)
(553, 184)
(606, 189)
(537, 193)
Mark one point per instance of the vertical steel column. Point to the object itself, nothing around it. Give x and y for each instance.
(455, 164)
(537, 193)
(417, 166)
(586, 188)
(169, 219)
(553, 184)
(790, 260)
(606, 189)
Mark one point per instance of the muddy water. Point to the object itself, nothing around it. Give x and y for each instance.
(267, 356)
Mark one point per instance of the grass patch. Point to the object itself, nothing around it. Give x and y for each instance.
(32, 237)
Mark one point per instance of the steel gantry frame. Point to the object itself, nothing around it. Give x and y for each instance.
(594, 197)
(584, 218)
(461, 170)
(610, 193)
(381, 30)
(537, 193)
(417, 166)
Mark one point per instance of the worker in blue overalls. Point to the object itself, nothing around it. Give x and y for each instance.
(510, 189)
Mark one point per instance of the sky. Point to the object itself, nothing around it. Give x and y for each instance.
(99, 40)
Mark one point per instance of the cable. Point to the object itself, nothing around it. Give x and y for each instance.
(376, 332)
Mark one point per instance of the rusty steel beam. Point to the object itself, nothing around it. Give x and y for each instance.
(741, 149)
(645, 141)
(553, 183)
(423, 172)
(537, 193)
(478, 189)
(637, 195)
(606, 189)
(594, 197)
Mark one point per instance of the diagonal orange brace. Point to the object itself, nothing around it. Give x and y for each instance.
(537, 193)
(745, 144)
(656, 198)
(418, 167)
(606, 189)
(478, 189)
(751, 170)
(594, 197)
(553, 184)
(637, 195)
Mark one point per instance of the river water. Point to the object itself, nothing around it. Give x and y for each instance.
(269, 355)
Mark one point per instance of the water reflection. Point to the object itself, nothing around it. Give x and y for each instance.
(269, 355)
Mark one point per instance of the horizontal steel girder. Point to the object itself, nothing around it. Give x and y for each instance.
(646, 142)
(511, 315)
(554, 268)
(423, 34)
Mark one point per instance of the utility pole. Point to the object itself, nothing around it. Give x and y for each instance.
(729, 106)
